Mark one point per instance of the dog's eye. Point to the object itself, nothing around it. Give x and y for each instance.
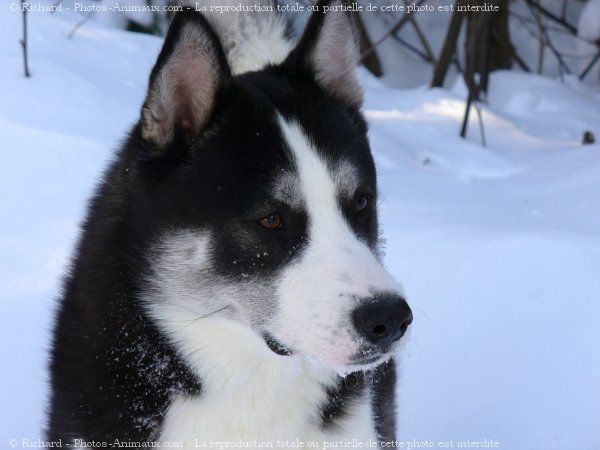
(362, 203)
(272, 222)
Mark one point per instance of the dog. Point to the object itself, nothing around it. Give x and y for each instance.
(227, 288)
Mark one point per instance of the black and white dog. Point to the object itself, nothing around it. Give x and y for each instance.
(227, 286)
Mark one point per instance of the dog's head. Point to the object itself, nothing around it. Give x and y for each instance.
(258, 197)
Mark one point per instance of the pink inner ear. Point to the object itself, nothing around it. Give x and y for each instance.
(186, 125)
(335, 58)
(183, 96)
(194, 86)
(183, 93)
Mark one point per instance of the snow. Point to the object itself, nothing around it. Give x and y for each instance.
(497, 246)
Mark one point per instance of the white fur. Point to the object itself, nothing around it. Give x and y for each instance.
(251, 39)
(336, 55)
(248, 392)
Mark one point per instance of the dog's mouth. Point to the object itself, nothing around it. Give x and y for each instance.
(275, 346)
(368, 360)
(365, 359)
(369, 354)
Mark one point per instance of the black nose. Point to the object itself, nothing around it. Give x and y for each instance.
(382, 319)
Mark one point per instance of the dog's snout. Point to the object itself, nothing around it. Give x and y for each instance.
(382, 320)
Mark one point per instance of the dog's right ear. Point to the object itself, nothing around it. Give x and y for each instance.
(184, 82)
(329, 51)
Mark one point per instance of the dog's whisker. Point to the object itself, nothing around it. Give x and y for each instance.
(205, 316)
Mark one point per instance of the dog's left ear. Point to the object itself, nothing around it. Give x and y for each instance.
(329, 50)
(185, 81)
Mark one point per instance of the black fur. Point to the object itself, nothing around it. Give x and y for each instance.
(112, 372)
(383, 382)
(341, 399)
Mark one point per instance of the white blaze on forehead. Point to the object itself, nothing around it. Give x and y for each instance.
(320, 190)
(336, 269)
(316, 183)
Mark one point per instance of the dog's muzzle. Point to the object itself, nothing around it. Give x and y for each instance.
(379, 321)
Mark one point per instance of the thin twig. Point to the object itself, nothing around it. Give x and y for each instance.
(397, 26)
(87, 17)
(550, 27)
(412, 48)
(422, 37)
(478, 61)
(556, 54)
(551, 16)
(520, 62)
(544, 35)
(24, 40)
(589, 66)
(396, 37)
(542, 42)
(526, 22)
(481, 125)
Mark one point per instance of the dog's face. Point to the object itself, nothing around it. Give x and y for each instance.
(261, 196)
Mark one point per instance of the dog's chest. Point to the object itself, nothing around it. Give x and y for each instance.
(256, 397)
(267, 421)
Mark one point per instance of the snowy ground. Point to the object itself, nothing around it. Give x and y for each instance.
(498, 247)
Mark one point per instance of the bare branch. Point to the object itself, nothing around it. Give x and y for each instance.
(79, 24)
(520, 62)
(551, 16)
(397, 26)
(589, 66)
(449, 48)
(542, 41)
(412, 48)
(481, 124)
(547, 42)
(422, 38)
(23, 41)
